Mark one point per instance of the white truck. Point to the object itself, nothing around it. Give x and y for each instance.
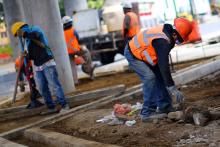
(100, 31)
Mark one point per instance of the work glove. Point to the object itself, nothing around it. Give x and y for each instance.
(175, 92)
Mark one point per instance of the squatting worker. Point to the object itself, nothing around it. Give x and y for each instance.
(131, 24)
(46, 74)
(79, 55)
(147, 54)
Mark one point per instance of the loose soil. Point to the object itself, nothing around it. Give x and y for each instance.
(203, 93)
(127, 78)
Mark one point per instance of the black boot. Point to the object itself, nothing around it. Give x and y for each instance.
(34, 102)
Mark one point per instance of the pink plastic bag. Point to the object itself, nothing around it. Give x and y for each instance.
(122, 108)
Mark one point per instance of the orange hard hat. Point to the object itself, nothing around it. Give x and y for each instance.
(183, 27)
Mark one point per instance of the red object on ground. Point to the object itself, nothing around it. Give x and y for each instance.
(194, 35)
(122, 108)
(4, 56)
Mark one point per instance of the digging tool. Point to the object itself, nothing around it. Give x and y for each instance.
(17, 79)
(29, 76)
(22, 61)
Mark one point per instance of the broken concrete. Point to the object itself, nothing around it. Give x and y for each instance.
(60, 140)
(197, 71)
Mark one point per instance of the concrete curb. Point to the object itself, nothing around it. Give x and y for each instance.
(21, 111)
(7, 143)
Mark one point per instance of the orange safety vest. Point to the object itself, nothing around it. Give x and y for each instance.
(71, 41)
(73, 45)
(141, 44)
(134, 25)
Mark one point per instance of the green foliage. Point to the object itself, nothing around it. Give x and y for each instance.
(61, 6)
(6, 50)
(95, 4)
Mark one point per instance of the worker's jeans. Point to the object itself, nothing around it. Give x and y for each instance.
(46, 78)
(154, 90)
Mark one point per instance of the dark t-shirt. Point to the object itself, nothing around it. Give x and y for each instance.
(163, 48)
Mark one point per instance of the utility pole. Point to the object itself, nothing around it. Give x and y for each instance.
(74, 5)
(46, 14)
(13, 11)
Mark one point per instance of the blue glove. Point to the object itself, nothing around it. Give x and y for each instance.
(175, 92)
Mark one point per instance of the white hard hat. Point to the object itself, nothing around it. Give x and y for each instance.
(66, 19)
(126, 5)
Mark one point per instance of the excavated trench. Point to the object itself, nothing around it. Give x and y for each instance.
(127, 78)
(203, 93)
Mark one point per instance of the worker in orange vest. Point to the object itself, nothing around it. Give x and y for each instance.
(19, 65)
(79, 55)
(131, 24)
(147, 54)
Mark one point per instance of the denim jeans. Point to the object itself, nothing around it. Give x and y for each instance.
(154, 90)
(46, 78)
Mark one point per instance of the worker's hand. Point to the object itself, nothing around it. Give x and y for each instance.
(175, 92)
(24, 54)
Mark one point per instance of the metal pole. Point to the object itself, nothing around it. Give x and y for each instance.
(46, 14)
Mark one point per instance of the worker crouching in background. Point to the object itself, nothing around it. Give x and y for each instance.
(28, 73)
(33, 39)
(79, 55)
(147, 54)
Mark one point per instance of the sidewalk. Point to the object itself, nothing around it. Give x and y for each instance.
(7, 80)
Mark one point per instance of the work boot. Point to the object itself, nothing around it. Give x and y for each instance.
(49, 111)
(153, 116)
(65, 109)
(166, 110)
(34, 104)
(91, 74)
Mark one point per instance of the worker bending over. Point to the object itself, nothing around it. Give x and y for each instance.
(46, 74)
(131, 24)
(79, 55)
(147, 54)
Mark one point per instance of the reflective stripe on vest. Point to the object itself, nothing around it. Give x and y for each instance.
(69, 46)
(141, 44)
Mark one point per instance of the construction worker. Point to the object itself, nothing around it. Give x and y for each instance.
(44, 64)
(20, 67)
(147, 54)
(79, 55)
(131, 24)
